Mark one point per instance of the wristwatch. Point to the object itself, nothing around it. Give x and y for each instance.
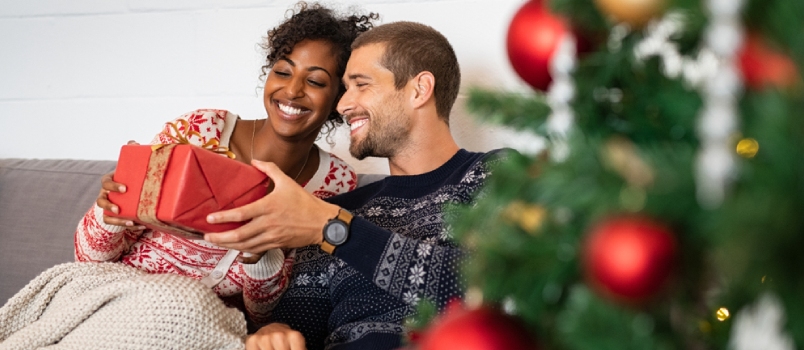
(336, 231)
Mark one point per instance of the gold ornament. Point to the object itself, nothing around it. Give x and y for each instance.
(636, 13)
(528, 216)
(747, 148)
(722, 314)
(622, 156)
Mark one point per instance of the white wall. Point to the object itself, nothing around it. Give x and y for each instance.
(79, 78)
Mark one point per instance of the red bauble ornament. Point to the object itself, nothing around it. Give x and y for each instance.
(629, 258)
(478, 329)
(763, 67)
(533, 36)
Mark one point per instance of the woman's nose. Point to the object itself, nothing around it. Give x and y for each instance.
(295, 87)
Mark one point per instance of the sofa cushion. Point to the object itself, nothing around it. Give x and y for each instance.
(41, 202)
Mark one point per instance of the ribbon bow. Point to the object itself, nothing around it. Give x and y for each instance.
(184, 138)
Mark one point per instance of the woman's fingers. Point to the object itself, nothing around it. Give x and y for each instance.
(110, 186)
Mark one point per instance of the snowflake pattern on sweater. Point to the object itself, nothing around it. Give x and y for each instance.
(400, 252)
(260, 284)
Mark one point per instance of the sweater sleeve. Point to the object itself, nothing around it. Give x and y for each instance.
(98, 241)
(408, 268)
(265, 281)
(95, 240)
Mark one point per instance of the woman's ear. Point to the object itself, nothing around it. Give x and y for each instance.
(422, 85)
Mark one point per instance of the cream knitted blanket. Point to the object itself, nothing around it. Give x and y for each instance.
(113, 306)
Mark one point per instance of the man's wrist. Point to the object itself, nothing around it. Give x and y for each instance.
(330, 213)
(336, 231)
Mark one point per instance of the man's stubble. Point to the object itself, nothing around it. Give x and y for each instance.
(388, 131)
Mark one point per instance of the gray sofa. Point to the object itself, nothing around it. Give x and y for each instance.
(41, 202)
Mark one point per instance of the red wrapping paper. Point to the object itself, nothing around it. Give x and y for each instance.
(173, 188)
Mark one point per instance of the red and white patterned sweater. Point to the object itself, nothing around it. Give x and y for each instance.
(261, 284)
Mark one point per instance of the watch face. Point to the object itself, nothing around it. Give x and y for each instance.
(336, 232)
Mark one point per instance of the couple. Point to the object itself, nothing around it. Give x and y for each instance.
(349, 268)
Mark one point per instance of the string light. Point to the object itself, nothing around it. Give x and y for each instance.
(722, 314)
(559, 95)
(714, 73)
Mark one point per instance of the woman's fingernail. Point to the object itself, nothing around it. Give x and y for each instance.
(210, 219)
(115, 209)
(122, 188)
(140, 228)
(129, 223)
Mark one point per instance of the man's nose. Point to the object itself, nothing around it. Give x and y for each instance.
(346, 104)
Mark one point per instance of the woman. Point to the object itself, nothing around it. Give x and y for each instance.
(306, 57)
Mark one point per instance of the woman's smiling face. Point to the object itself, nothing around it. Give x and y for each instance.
(301, 88)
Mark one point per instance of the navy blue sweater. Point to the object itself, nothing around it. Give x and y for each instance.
(400, 251)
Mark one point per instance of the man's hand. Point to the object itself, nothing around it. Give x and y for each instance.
(275, 336)
(288, 217)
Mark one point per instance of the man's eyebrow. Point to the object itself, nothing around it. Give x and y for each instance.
(310, 69)
(355, 76)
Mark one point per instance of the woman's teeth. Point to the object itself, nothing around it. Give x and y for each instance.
(289, 110)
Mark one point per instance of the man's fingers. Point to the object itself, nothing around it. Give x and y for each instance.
(246, 238)
(275, 336)
(279, 341)
(273, 171)
(233, 239)
(296, 341)
(244, 213)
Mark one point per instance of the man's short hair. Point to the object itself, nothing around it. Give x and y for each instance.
(411, 48)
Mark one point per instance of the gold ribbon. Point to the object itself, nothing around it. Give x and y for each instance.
(152, 188)
(184, 138)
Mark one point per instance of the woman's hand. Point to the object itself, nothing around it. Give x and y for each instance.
(275, 336)
(108, 185)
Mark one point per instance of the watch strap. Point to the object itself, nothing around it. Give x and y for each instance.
(346, 217)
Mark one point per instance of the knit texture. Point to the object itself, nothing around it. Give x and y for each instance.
(400, 252)
(114, 306)
(254, 287)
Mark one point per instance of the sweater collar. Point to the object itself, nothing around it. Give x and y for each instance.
(432, 176)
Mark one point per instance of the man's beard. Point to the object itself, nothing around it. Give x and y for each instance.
(384, 138)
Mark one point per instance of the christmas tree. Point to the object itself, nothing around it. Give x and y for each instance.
(668, 210)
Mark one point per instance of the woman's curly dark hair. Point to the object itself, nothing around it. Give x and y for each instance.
(316, 22)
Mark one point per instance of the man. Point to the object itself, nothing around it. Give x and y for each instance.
(369, 256)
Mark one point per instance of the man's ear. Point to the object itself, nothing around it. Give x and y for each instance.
(422, 86)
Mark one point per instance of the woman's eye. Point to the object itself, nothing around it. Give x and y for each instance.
(281, 74)
(317, 83)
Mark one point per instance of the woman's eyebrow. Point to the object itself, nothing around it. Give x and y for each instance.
(310, 69)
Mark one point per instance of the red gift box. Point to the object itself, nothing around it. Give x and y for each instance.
(174, 187)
